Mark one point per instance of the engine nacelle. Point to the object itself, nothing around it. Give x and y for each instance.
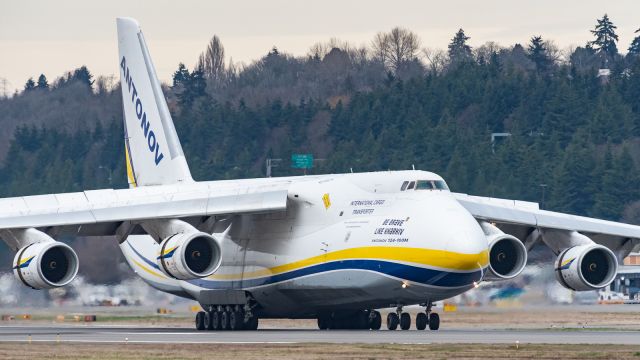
(507, 254)
(46, 265)
(507, 258)
(586, 267)
(189, 255)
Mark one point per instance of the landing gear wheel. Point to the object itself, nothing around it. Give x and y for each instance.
(200, 320)
(324, 322)
(375, 321)
(208, 323)
(361, 321)
(392, 321)
(224, 320)
(236, 320)
(215, 320)
(434, 321)
(405, 321)
(421, 321)
(252, 324)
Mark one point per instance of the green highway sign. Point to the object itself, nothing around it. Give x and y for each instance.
(302, 161)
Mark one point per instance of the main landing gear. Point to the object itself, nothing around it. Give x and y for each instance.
(371, 319)
(228, 317)
(359, 320)
(423, 319)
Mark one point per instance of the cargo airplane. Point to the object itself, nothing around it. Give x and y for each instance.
(329, 247)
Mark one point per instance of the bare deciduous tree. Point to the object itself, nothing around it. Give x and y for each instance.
(396, 47)
(211, 61)
(486, 51)
(436, 59)
(320, 49)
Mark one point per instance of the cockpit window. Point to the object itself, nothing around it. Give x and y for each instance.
(430, 185)
(441, 185)
(411, 185)
(424, 185)
(404, 186)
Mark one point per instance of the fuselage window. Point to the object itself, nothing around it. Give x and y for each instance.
(441, 185)
(411, 185)
(424, 185)
(404, 186)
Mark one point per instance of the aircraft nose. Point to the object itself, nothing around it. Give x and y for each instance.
(467, 247)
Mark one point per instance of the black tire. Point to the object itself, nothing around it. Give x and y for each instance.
(236, 320)
(208, 324)
(200, 321)
(215, 320)
(253, 323)
(224, 320)
(434, 321)
(421, 321)
(375, 322)
(361, 321)
(392, 321)
(405, 321)
(323, 322)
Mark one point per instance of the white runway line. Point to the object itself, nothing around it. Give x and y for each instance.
(151, 342)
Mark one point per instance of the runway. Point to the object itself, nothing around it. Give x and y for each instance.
(121, 334)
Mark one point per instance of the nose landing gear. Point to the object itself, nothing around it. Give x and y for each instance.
(423, 319)
(399, 318)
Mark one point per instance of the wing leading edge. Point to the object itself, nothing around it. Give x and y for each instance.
(520, 215)
(94, 209)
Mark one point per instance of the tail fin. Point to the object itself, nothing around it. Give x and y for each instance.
(153, 152)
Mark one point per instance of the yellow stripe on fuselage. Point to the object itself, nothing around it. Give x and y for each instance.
(433, 258)
(148, 270)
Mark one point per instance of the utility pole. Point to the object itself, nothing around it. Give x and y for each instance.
(271, 163)
(543, 186)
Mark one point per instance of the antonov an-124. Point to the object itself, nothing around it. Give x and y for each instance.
(329, 247)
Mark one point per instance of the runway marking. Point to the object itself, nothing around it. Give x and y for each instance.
(151, 342)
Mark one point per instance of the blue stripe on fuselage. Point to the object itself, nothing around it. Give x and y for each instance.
(425, 276)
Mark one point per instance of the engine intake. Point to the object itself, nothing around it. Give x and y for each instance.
(507, 254)
(586, 267)
(188, 256)
(46, 265)
(507, 258)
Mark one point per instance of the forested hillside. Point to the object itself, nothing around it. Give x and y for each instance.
(572, 119)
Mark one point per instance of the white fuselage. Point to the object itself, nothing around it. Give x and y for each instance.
(349, 241)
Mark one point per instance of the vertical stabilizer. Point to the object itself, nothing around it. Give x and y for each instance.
(153, 152)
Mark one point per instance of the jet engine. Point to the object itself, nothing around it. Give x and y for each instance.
(189, 255)
(586, 267)
(507, 254)
(45, 265)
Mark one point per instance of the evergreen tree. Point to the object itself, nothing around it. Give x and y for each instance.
(634, 48)
(618, 183)
(606, 37)
(29, 85)
(538, 53)
(181, 76)
(459, 51)
(83, 75)
(42, 82)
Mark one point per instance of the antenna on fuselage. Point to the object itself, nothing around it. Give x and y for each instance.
(351, 170)
(413, 166)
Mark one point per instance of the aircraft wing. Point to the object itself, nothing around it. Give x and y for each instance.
(99, 212)
(520, 218)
